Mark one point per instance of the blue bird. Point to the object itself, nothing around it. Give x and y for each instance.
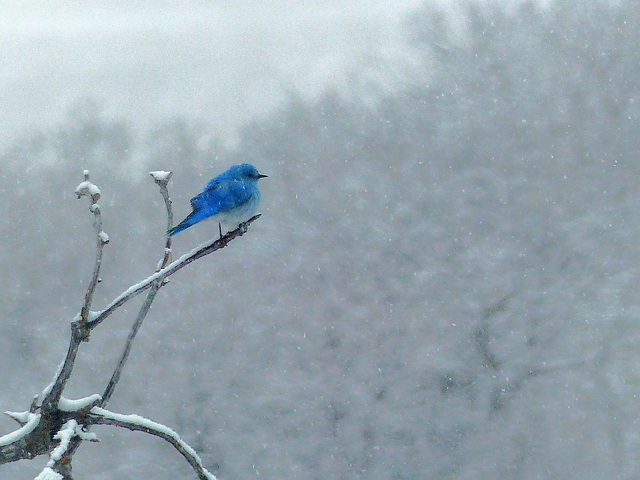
(230, 198)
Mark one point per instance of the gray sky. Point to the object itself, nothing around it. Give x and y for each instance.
(224, 61)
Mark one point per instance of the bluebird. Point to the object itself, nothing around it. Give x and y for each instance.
(230, 198)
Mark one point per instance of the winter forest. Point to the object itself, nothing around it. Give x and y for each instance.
(441, 285)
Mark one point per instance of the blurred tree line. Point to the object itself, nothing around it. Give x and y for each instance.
(444, 284)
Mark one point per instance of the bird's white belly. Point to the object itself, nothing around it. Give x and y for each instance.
(233, 217)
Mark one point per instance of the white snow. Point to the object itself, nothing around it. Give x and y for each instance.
(88, 436)
(65, 434)
(48, 474)
(161, 176)
(68, 405)
(31, 424)
(104, 238)
(87, 187)
(22, 417)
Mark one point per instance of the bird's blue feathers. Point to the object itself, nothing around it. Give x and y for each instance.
(222, 196)
(231, 197)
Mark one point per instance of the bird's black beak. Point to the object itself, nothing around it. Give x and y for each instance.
(262, 176)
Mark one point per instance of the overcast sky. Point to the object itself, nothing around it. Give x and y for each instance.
(224, 61)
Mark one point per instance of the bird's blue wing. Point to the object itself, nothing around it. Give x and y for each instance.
(221, 196)
(197, 202)
(214, 182)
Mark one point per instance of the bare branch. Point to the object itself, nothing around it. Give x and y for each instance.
(34, 404)
(79, 331)
(53, 391)
(142, 313)
(198, 252)
(100, 416)
(161, 179)
(88, 189)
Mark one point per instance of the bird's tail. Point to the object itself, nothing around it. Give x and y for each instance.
(186, 223)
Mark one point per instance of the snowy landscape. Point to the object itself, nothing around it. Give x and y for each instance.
(442, 284)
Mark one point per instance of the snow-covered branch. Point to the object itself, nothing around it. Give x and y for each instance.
(59, 464)
(100, 416)
(88, 189)
(79, 332)
(31, 421)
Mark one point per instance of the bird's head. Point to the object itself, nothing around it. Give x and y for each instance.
(248, 171)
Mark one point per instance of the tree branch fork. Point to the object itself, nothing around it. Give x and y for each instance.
(55, 425)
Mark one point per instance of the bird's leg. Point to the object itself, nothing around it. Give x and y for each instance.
(220, 229)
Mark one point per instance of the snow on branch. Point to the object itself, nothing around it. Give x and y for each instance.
(67, 405)
(100, 416)
(32, 421)
(88, 188)
(63, 451)
(161, 177)
(21, 417)
(64, 435)
(48, 474)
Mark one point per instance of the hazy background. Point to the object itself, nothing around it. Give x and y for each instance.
(222, 61)
(442, 285)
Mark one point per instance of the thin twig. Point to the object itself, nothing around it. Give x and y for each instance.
(198, 252)
(142, 313)
(86, 188)
(161, 179)
(52, 397)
